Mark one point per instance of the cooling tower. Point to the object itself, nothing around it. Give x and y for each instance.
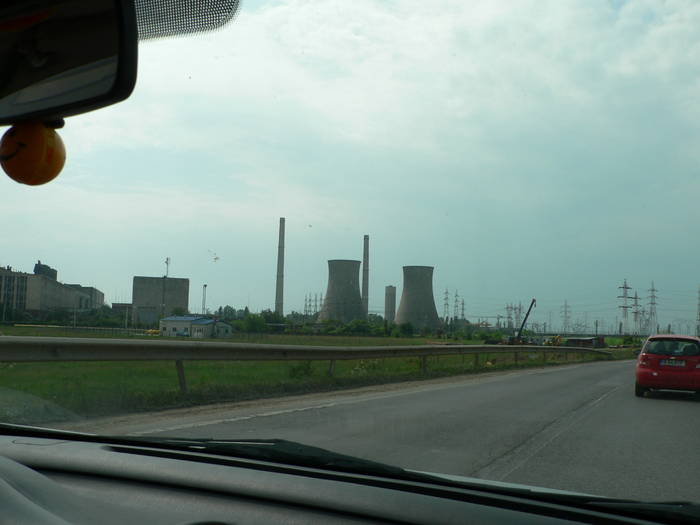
(279, 292)
(365, 275)
(343, 301)
(417, 304)
(390, 303)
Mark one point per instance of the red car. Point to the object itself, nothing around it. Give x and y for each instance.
(668, 362)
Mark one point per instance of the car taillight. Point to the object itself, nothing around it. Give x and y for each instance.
(644, 361)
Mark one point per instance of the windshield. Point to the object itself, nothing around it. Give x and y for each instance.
(672, 347)
(431, 235)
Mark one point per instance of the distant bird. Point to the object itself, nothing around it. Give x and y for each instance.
(214, 256)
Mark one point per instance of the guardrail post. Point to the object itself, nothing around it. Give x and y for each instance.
(515, 358)
(331, 367)
(476, 361)
(181, 376)
(424, 364)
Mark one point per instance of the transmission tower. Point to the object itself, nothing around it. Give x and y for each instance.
(566, 317)
(509, 316)
(518, 313)
(624, 306)
(306, 304)
(651, 320)
(455, 311)
(635, 313)
(462, 316)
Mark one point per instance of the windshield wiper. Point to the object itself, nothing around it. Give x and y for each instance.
(666, 512)
(282, 451)
(271, 450)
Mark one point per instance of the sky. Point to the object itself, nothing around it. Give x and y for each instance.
(524, 148)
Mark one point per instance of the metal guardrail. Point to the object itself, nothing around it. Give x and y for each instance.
(25, 349)
(18, 349)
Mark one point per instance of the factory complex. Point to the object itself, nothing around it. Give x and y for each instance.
(41, 291)
(163, 302)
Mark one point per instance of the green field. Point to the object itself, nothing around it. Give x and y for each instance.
(283, 339)
(33, 392)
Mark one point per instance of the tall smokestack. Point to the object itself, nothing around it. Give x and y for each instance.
(279, 295)
(365, 276)
(390, 303)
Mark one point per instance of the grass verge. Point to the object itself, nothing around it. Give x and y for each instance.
(33, 393)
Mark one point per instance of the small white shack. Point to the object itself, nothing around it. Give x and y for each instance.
(195, 326)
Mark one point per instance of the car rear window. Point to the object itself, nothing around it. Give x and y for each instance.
(672, 347)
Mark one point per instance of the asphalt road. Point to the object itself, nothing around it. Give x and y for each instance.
(574, 427)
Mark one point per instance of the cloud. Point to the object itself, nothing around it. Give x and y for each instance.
(469, 135)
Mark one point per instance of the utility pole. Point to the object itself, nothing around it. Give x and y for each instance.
(566, 317)
(624, 306)
(167, 266)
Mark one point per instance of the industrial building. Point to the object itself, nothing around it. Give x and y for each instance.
(93, 298)
(195, 326)
(122, 310)
(417, 304)
(13, 290)
(154, 298)
(42, 292)
(343, 301)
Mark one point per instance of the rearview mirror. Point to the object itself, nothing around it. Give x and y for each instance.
(63, 57)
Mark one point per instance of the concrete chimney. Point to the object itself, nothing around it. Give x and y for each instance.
(417, 304)
(390, 303)
(342, 302)
(279, 295)
(365, 276)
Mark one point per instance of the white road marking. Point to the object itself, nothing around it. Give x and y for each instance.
(471, 381)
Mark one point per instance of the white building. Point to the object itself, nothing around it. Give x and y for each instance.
(194, 326)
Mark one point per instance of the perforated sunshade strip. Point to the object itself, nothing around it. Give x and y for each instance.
(163, 18)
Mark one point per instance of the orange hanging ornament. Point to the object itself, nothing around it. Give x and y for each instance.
(32, 153)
